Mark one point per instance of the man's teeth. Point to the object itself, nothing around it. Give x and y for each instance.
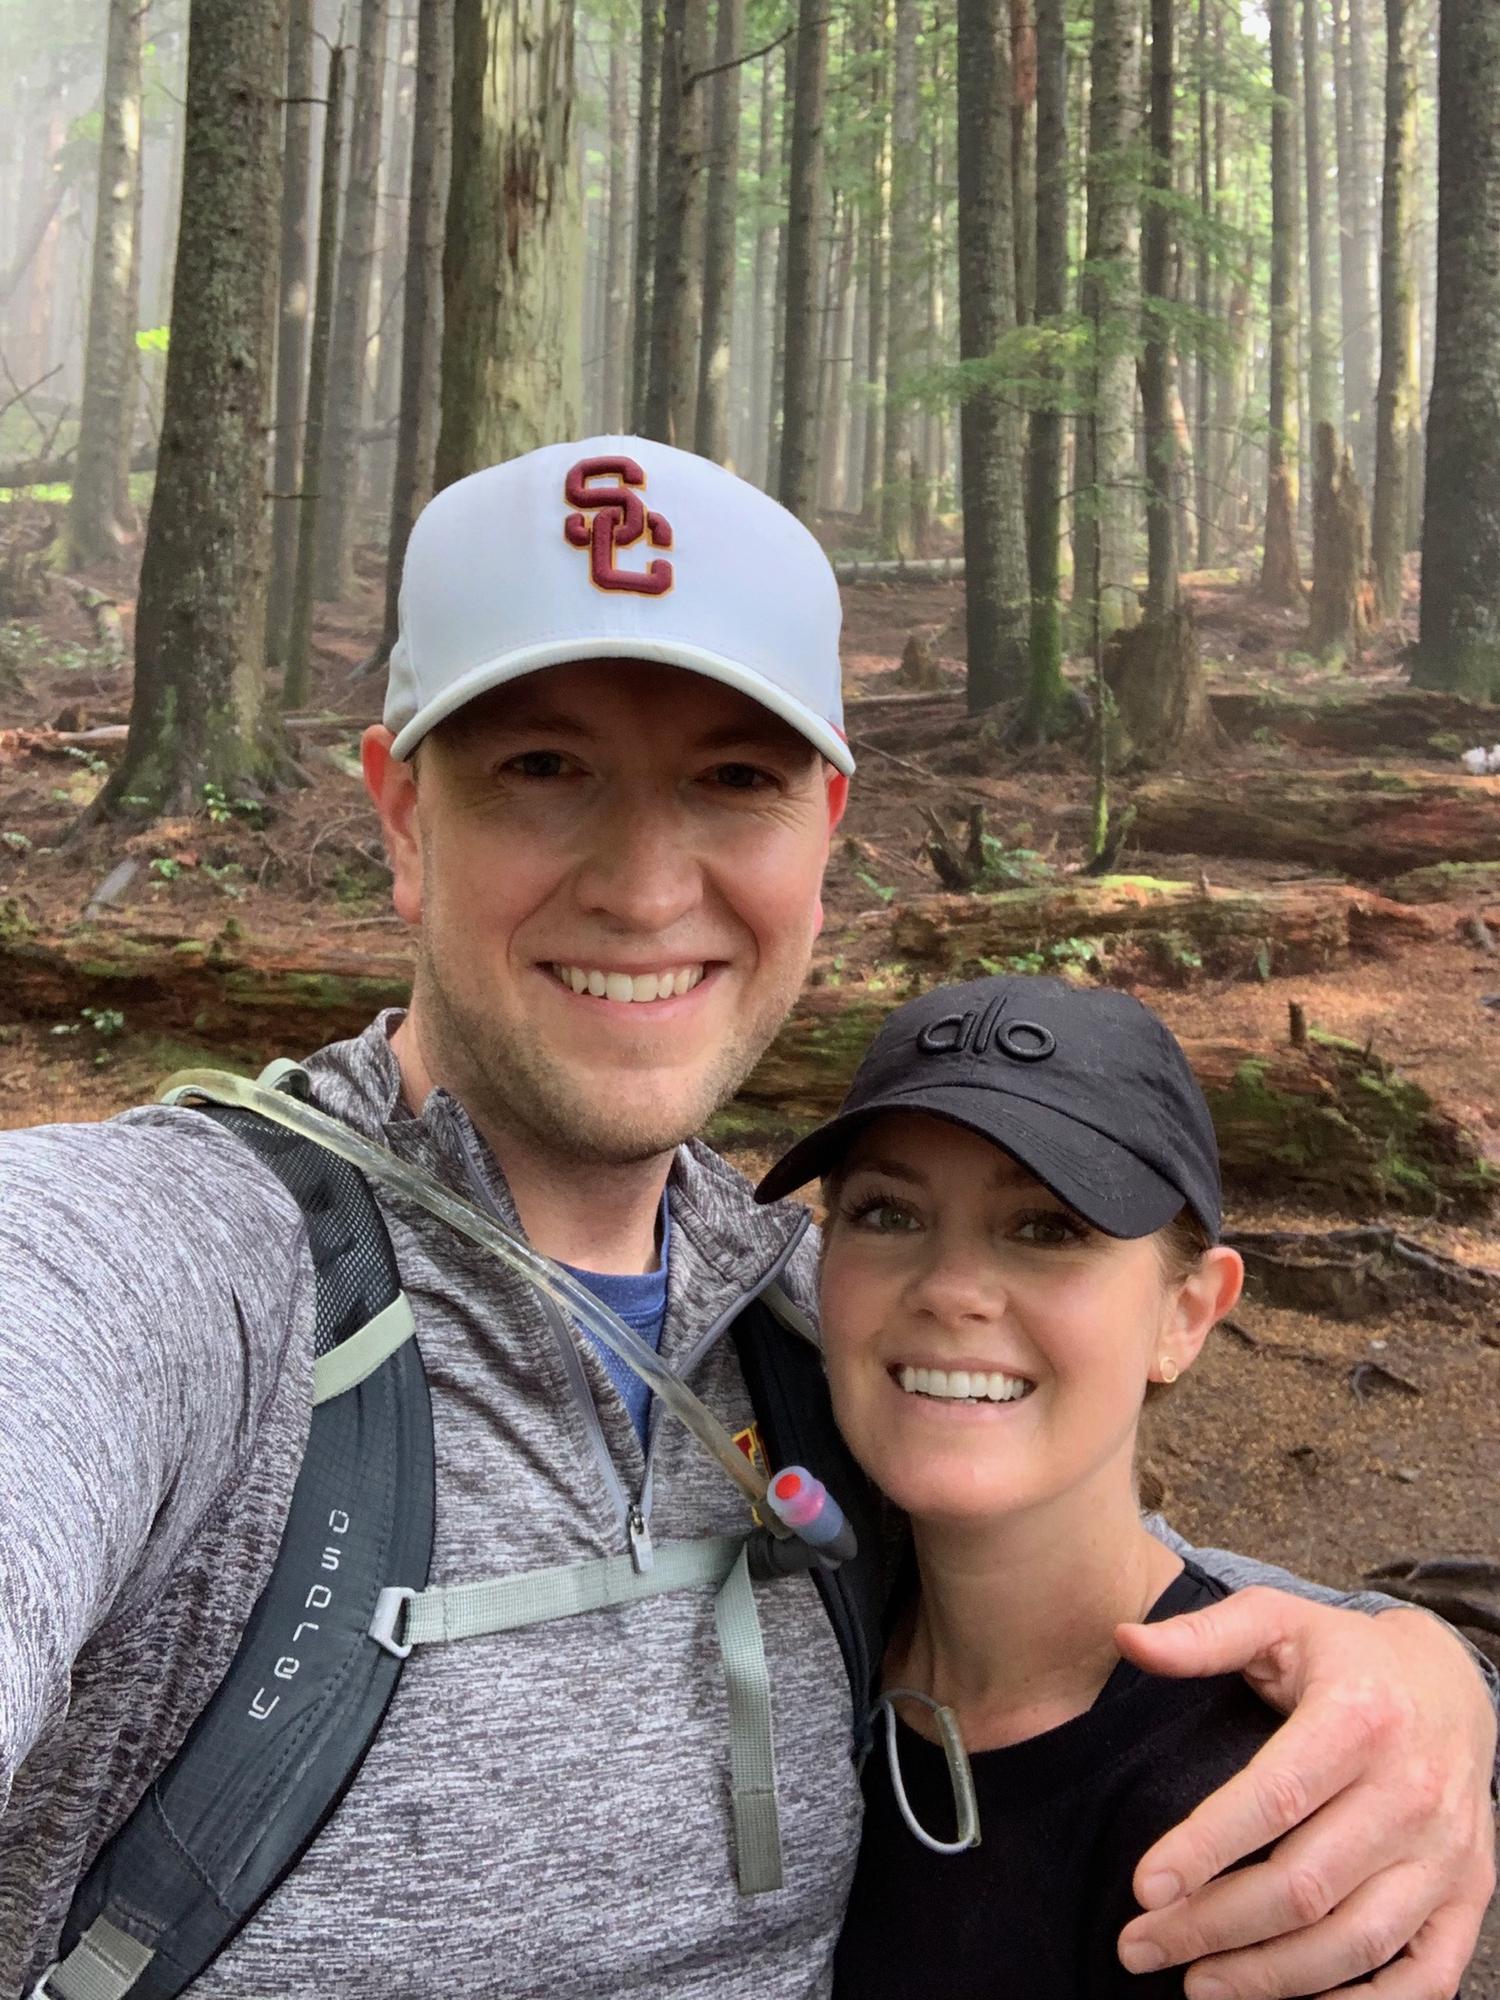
(963, 1385)
(627, 986)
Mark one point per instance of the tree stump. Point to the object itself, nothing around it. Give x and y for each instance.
(919, 671)
(1342, 607)
(1155, 675)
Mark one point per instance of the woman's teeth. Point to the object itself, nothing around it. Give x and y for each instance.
(963, 1385)
(627, 986)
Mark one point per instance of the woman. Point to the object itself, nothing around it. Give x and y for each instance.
(1023, 1216)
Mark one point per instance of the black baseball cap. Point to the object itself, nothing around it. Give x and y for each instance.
(1083, 1085)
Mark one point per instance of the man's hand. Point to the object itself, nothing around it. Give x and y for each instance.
(1383, 1770)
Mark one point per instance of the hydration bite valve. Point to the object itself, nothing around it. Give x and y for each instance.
(805, 1505)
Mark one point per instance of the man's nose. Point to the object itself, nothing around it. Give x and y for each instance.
(641, 871)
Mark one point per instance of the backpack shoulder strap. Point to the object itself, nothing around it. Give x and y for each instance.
(270, 1757)
(783, 1371)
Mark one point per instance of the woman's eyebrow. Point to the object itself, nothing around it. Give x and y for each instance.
(895, 1170)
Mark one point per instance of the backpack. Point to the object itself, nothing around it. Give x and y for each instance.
(264, 1766)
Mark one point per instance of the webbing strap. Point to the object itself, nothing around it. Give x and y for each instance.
(103, 1965)
(355, 1359)
(503, 1604)
(752, 1751)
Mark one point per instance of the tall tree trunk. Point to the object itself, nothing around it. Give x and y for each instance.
(351, 310)
(1460, 639)
(1023, 169)
(291, 343)
(377, 464)
(762, 336)
(906, 273)
(1156, 366)
(1322, 374)
(513, 242)
(1363, 131)
(877, 254)
(1204, 298)
(615, 321)
(1109, 296)
(1357, 276)
(797, 473)
(304, 584)
(647, 143)
(712, 430)
(99, 511)
(996, 591)
(675, 282)
(1044, 458)
(778, 294)
(200, 618)
(1281, 572)
(1397, 397)
(422, 304)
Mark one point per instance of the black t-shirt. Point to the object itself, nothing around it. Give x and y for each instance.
(1036, 1909)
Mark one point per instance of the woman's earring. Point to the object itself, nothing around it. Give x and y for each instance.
(1168, 1369)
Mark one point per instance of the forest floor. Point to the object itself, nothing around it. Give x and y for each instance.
(1279, 1443)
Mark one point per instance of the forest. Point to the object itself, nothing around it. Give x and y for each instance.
(1137, 363)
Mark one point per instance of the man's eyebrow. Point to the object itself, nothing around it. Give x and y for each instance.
(545, 721)
(772, 732)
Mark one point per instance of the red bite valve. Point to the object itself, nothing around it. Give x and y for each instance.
(804, 1504)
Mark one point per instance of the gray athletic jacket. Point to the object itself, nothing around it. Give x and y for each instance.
(543, 1812)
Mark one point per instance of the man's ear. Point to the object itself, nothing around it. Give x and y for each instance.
(838, 798)
(392, 785)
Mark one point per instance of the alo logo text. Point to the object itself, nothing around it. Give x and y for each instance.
(976, 1034)
(619, 519)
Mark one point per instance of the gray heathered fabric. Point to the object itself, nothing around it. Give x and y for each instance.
(544, 1812)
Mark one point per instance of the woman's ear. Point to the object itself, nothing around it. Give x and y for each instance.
(1197, 1303)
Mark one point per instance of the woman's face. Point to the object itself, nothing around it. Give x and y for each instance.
(988, 1350)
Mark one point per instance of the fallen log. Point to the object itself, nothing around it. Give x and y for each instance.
(24, 472)
(1329, 1121)
(225, 986)
(1414, 719)
(921, 569)
(1124, 928)
(1367, 824)
(1448, 882)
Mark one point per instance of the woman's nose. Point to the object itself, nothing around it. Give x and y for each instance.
(959, 1284)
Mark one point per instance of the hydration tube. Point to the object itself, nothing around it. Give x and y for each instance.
(222, 1087)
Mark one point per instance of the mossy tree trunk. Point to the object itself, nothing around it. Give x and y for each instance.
(1106, 464)
(294, 327)
(200, 621)
(1460, 642)
(1399, 390)
(712, 425)
(1281, 570)
(1044, 455)
(905, 291)
(797, 472)
(99, 512)
(422, 299)
(513, 245)
(349, 357)
(1156, 360)
(643, 255)
(997, 589)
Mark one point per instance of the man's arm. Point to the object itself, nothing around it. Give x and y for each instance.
(142, 1270)
(1376, 1792)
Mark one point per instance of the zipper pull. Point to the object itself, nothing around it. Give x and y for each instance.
(642, 1554)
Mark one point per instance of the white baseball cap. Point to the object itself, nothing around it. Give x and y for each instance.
(615, 547)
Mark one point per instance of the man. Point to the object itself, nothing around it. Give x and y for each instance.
(611, 765)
